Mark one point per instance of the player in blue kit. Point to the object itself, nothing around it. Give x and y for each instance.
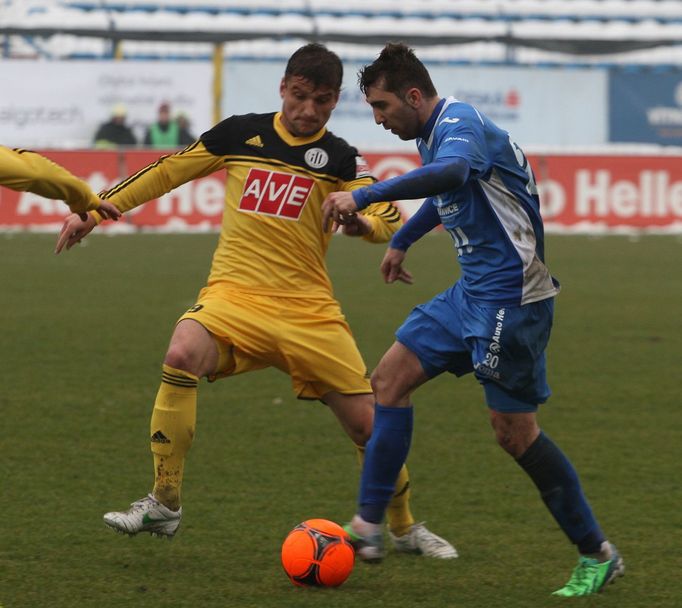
(495, 321)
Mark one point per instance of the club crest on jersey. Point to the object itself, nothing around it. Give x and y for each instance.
(273, 193)
(316, 158)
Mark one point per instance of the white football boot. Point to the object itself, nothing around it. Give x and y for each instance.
(145, 515)
(423, 541)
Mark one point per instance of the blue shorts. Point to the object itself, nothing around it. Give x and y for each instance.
(503, 345)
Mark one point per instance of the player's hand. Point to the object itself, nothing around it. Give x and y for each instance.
(338, 209)
(74, 230)
(392, 267)
(356, 225)
(106, 210)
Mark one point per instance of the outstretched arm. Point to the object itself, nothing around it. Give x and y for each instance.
(430, 180)
(152, 181)
(162, 176)
(28, 171)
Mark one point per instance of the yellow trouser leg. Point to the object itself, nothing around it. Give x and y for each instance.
(172, 430)
(398, 514)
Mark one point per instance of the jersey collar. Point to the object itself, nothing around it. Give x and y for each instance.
(290, 139)
(430, 123)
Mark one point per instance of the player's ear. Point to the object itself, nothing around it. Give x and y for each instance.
(413, 97)
(282, 87)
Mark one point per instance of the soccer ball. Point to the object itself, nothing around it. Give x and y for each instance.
(318, 553)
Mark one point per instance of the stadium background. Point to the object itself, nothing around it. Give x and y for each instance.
(592, 89)
(83, 333)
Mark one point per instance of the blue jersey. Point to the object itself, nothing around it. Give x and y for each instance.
(494, 218)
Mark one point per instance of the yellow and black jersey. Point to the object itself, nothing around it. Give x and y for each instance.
(28, 171)
(271, 240)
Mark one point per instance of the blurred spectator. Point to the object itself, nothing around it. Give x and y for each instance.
(185, 136)
(164, 133)
(115, 132)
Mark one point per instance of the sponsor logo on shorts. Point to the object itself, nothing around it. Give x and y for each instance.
(195, 308)
(483, 370)
(488, 366)
(495, 346)
(277, 194)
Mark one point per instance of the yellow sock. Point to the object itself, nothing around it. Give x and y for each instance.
(398, 514)
(172, 430)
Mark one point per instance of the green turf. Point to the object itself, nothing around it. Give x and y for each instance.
(83, 336)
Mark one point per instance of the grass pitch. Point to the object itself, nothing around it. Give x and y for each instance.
(83, 337)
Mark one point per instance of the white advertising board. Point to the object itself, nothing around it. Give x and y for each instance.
(60, 104)
(538, 106)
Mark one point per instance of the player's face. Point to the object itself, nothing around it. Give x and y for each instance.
(393, 113)
(305, 108)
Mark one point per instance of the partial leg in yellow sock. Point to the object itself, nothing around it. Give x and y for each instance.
(172, 429)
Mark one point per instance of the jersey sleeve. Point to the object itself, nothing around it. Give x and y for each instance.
(30, 172)
(384, 217)
(162, 176)
(463, 138)
(423, 221)
(385, 220)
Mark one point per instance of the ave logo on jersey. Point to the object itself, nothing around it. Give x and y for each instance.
(273, 193)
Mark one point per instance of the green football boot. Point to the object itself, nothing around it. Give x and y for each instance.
(591, 575)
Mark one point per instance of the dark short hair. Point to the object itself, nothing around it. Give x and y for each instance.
(316, 63)
(397, 69)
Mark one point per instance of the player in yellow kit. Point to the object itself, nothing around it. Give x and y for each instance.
(268, 301)
(28, 171)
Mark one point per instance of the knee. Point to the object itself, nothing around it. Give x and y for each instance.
(506, 440)
(514, 433)
(360, 435)
(384, 388)
(378, 383)
(181, 357)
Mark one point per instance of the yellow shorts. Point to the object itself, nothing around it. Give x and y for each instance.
(306, 338)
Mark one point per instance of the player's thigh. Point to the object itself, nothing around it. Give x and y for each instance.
(243, 328)
(433, 333)
(320, 352)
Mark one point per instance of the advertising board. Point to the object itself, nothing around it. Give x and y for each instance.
(579, 192)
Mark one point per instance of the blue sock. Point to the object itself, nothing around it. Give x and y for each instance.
(385, 454)
(559, 486)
